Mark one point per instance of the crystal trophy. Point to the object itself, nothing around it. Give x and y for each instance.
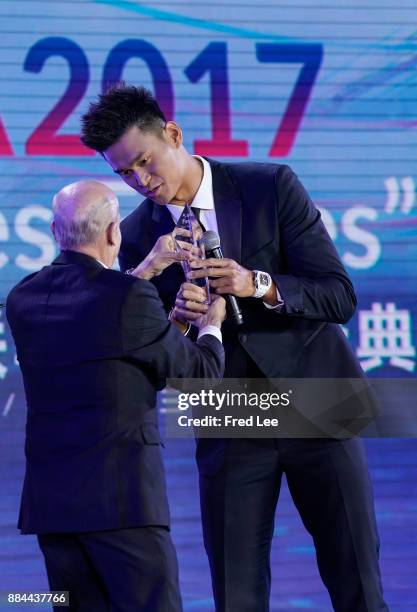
(188, 236)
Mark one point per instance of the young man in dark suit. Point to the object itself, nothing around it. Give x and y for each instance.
(94, 346)
(293, 291)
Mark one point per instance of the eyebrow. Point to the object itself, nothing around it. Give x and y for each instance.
(138, 156)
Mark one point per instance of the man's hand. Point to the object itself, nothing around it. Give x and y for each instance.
(164, 253)
(189, 307)
(226, 275)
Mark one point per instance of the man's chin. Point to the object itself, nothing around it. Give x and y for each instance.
(157, 197)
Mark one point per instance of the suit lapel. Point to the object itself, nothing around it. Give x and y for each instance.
(162, 217)
(246, 226)
(228, 208)
(162, 222)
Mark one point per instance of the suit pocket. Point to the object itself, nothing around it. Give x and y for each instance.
(150, 434)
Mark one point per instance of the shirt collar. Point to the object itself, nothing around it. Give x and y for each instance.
(100, 262)
(203, 198)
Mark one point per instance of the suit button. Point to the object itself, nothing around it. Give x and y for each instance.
(243, 338)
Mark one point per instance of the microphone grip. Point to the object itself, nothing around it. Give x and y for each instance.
(231, 299)
(234, 307)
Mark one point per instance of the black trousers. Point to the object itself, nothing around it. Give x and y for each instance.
(329, 483)
(122, 570)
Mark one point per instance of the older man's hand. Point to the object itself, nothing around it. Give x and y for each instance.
(190, 307)
(166, 251)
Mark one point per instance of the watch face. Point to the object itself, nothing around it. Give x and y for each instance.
(263, 279)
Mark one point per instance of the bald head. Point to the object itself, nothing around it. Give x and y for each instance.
(82, 213)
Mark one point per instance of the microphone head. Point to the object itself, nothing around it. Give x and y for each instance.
(211, 240)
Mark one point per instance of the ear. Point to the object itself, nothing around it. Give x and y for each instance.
(173, 133)
(52, 226)
(112, 233)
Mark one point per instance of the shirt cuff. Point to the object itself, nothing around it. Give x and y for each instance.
(210, 329)
(278, 306)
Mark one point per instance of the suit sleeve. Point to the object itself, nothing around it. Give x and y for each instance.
(317, 285)
(155, 344)
(126, 261)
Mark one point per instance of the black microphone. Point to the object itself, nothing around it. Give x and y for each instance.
(212, 248)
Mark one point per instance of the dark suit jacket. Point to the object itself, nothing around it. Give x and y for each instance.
(267, 222)
(94, 346)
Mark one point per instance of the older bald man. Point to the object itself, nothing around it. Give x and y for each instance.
(94, 346)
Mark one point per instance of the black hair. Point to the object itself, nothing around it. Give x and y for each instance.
(121, 107)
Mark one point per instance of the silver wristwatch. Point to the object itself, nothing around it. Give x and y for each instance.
(262, 281)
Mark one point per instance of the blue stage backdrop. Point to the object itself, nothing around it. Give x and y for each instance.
(329, 88)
